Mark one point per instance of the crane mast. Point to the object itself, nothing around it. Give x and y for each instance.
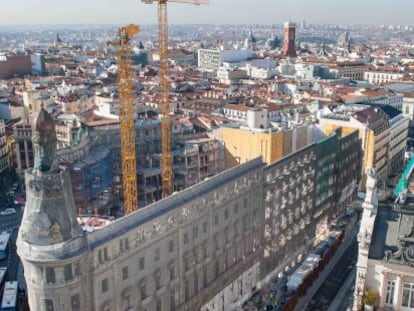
(166, 158)
(126, 116)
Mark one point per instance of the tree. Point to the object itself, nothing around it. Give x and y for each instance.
(370, 297)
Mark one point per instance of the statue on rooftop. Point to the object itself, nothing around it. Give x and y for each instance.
(44, 142)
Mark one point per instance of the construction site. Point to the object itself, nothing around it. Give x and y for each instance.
(147, 155)
(184, 234)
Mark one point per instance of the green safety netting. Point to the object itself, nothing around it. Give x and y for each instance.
(403, 182)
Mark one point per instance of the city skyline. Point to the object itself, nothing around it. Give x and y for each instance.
(217, 12)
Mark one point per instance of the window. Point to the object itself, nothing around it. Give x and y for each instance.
(143, 290)
(50, 275)
(408, 295)
(205, 250)
(76, 269)
(245, 223)
(407, 110)
(216, 241)
(157, 254)
(172, 300)
(187, 290)
(124, 273)
(171, 246)
(67, 270)
(205, 277)
(126, 301)
(205, 227)
(124, 244)
(216, 219)
(106, 256)
(75, 302)
(236, 228)
(105, 285)
(172, 272)
(49, 305)
(158, 305)
(227, 235)
(236, 208)
(195, 231)
(142, 263)
(185, 238)
(389, 298)
(226, 214)
(186, 263)
(245, 203)
(196, 283)
(157, 276)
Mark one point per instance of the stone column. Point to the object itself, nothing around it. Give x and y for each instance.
(383, 289)
(19, 160)
(26, 154)
(398, 292)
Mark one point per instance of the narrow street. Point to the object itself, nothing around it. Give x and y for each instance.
(336, 278)
(324, 289)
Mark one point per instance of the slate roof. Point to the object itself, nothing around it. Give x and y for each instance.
(390, 224)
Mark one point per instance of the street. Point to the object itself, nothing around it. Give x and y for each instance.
(11, 222)
(330, 287)
(319, 296)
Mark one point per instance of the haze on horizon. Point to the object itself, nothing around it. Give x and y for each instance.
(28, 12)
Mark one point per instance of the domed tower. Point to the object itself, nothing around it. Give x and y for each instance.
(50, 243)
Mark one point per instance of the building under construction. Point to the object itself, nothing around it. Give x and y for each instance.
(193, 159)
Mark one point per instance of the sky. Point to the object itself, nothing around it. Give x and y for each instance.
(398, 12)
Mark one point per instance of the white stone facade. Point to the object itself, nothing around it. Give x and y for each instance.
(378, 77)
(212, 59)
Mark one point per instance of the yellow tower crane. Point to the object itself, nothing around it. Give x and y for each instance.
(166, 159)
(126, 116)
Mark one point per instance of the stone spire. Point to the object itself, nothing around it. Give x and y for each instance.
(44, 142)
(50, 213)
(50, 238)
(366, 230)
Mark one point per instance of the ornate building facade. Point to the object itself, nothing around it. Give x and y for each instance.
(207, 247)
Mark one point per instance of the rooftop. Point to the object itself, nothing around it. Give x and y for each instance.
(369, 115)
(237, 107)
(393, 227)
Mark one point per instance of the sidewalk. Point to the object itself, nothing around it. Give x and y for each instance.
(302, 303)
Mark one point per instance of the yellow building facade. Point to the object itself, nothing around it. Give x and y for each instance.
(242, 145)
